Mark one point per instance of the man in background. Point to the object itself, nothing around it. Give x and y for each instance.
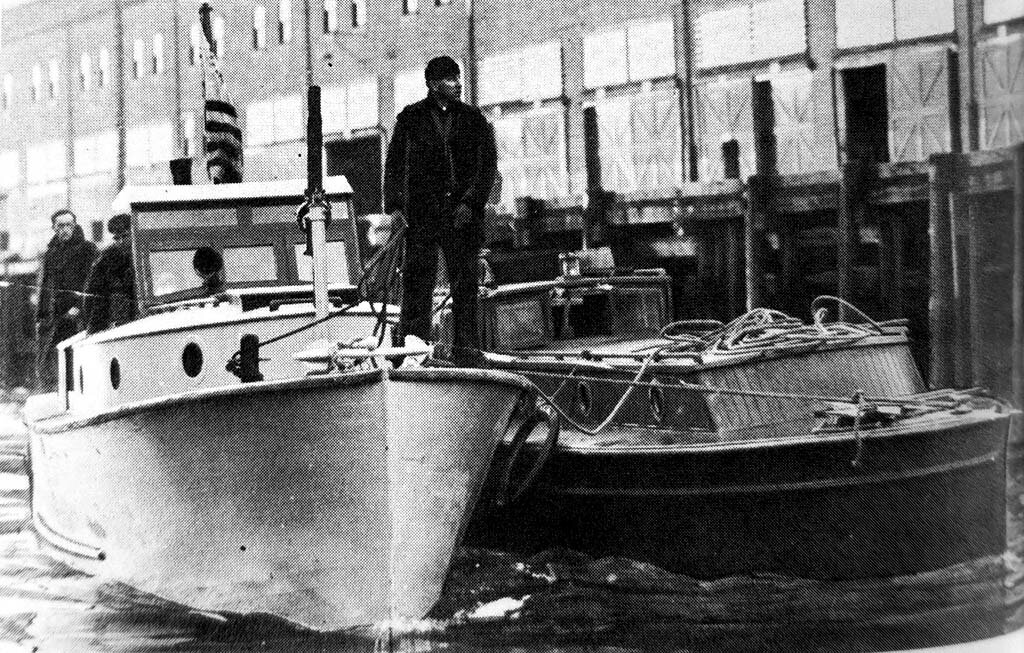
(65, 266)
(110, 290)
(440, 167)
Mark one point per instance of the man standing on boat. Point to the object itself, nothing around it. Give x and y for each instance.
(110, 290)
(65, 265)
(440, 167)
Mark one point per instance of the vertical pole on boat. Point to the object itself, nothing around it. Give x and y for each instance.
(316, 201)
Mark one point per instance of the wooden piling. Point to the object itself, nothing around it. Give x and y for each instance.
(892, 235)
(940, 277)
(1018, 276)
(848, 218)
(753, 233)
(963, 241)
(733, 264)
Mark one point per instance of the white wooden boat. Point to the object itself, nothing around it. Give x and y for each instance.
(332, 500)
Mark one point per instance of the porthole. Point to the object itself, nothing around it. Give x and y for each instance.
(115, 373)
(584, 399)
(192, 359)
(656, 399)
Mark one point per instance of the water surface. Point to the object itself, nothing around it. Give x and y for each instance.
(555, 601)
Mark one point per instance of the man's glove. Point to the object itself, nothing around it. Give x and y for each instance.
(463, 216)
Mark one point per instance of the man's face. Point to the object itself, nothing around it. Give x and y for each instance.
(449, 88)
(122, 241)
(64, 226)
(218, 174)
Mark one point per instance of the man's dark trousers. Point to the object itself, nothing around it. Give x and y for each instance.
(460, 247)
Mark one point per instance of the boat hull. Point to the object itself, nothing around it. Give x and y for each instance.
(332, 502)
(925, 495)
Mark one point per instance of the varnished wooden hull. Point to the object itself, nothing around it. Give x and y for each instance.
(926, 494)
(332, 502)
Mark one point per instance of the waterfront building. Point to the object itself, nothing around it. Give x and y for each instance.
(709, 137)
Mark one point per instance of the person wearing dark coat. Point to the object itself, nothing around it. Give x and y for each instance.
(65, 266)
(440, 167)
(110, 289)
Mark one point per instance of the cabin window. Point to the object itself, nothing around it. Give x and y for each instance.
(172, 271)
(244, 264)
(337, 262)
(192, 359)
(169, 219)
(115, 374)
(867, 114)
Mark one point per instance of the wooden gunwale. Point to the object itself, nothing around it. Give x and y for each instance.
(64, 423)
(909, 427)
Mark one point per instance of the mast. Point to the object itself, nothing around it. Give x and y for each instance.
(316, 203)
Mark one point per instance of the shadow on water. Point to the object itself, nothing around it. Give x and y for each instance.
(558, 600)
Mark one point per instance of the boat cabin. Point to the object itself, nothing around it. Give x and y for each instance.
(187, 332)
(584, 304)
(254, 228)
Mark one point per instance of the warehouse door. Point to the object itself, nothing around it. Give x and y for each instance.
(867, 114)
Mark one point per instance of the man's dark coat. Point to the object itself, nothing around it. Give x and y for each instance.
(416, 146)
(110, 298)
(420, 181)
(65, 267)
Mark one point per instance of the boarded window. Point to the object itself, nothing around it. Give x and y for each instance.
(639, 142)
(999, 11)
(870, 22)
(640, 51)
(533, 73)
(918, 90)
(723, 113)
(1002, 94)
(651, 50)
(793, 105)
(275, 120)
(531, 155)
(737, 34)
(604, 59)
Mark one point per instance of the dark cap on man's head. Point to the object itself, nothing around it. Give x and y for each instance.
(119, 224)
(441, 67)
(59, 212)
